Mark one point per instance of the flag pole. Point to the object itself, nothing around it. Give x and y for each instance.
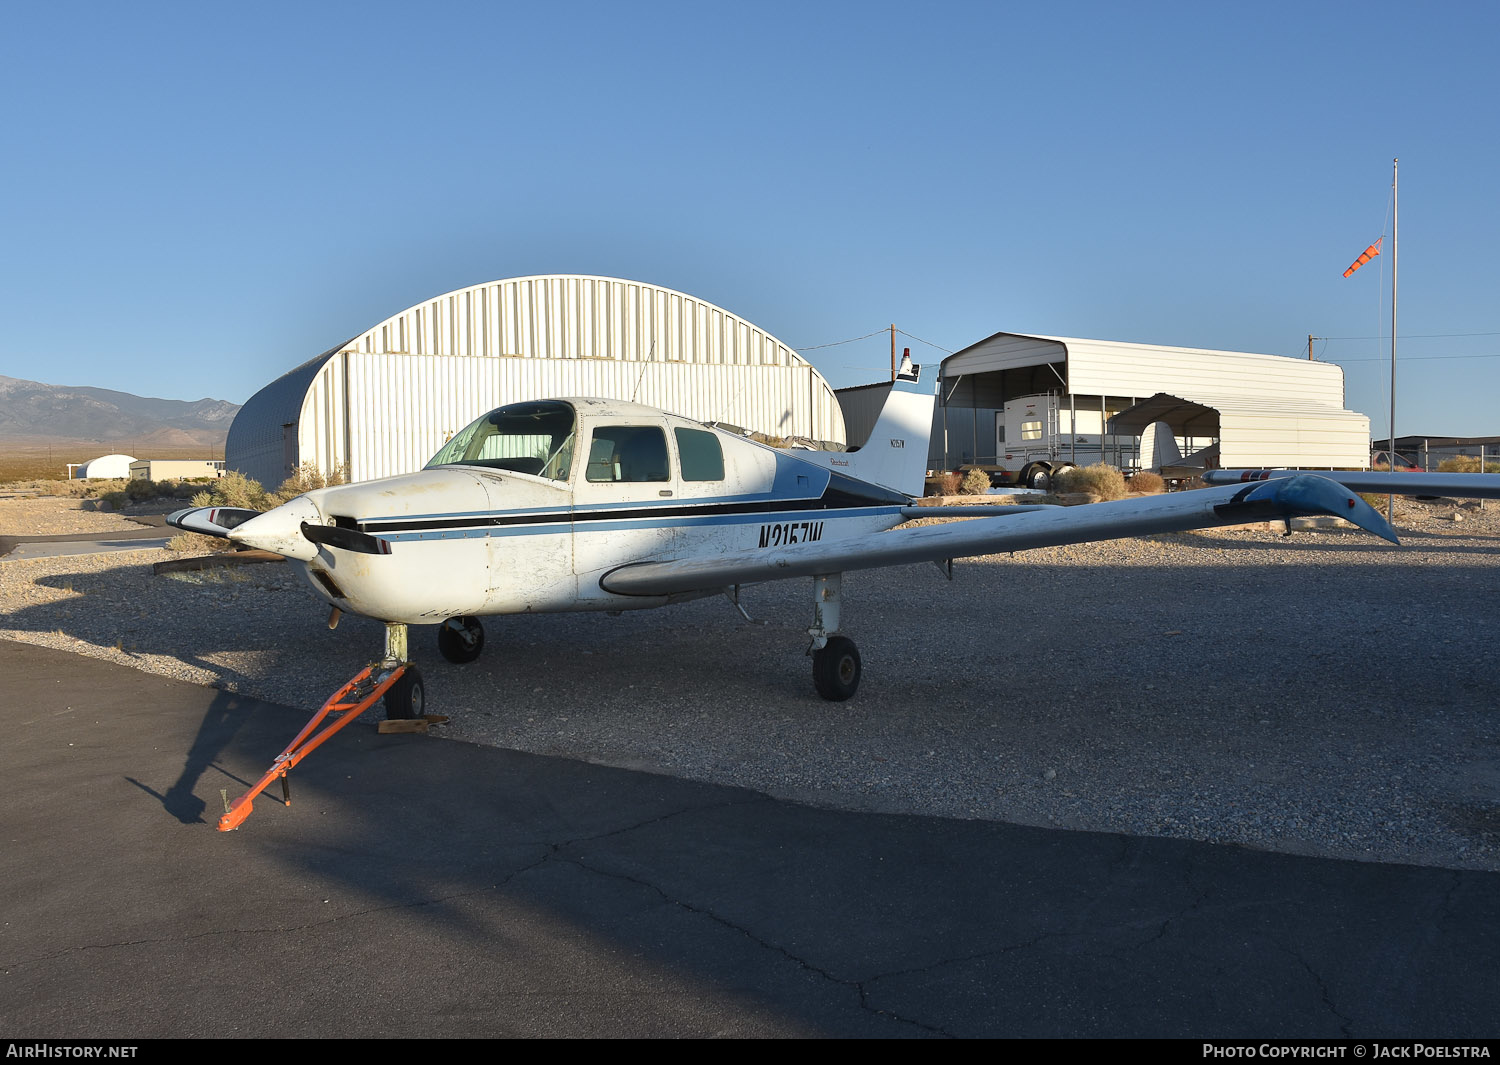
(1390, 503)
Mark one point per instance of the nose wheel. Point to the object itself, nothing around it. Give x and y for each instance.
(406, 700)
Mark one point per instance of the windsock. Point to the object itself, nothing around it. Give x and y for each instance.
(1364, 257)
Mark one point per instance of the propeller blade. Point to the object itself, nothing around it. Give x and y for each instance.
(347, 539)
(211, 521)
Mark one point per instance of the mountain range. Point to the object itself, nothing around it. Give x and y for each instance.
(33, 412)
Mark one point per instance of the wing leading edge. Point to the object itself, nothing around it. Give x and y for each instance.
(1205, 508)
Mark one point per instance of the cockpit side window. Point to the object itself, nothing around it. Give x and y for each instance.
(628, 453)
(699, 453)
(534, 438)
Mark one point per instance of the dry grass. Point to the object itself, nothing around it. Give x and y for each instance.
(944, 484)
(1466, 464)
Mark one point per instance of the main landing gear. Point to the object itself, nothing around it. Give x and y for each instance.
(461, 639)
(836, 664)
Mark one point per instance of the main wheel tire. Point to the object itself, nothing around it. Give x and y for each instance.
(836, 669)
(406, 700)
(463, 643)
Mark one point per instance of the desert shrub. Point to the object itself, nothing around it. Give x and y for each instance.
(1466, 464)
(96, 488)
(975, 483)
(138, 489)
(234, 489)
(944, 484)
(113, 501)
(1101, 480)
(308, 478)
(1146, 481)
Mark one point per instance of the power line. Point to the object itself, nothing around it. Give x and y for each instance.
(836, 343)
(867, 336)
(1411, 358)
(1414, 336)
(929, 343)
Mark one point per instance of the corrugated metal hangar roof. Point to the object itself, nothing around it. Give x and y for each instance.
(1264, 409)
(1115, 368)
(385, 401)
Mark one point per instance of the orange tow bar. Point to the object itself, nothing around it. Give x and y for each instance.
(349, 702)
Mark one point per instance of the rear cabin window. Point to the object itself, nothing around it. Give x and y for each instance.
(628, 453)
(1031, 430)
(700, 454)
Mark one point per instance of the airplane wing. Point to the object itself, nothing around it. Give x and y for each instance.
(1463, 485)
(1046, 527)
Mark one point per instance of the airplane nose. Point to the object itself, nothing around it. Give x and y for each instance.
(280, 530)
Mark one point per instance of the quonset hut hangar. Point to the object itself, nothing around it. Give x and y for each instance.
(385, 401)
(1013, 399)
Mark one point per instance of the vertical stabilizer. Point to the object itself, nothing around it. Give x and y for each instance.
(1159, 448)
(895, 456)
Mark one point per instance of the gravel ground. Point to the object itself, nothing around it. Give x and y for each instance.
(1320, 694)
(22, 515)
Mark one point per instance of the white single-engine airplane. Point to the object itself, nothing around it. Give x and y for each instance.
(597, 504)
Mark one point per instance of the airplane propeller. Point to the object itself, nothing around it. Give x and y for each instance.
(347, 539)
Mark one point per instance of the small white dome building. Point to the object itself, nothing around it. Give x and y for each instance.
(105, 467)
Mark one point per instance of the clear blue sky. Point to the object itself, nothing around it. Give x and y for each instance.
(197, 197)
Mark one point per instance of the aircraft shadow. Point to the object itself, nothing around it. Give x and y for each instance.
(1176, 706)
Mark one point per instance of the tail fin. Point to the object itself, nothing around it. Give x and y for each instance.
(1159, 447)
(895, 456)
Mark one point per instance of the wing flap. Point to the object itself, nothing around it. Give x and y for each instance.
(1048, 527)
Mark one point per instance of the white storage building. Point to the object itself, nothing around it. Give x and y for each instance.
(385, 401)
(1261, 410)
(105, 466)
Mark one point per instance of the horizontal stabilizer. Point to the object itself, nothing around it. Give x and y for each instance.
(1383, 482)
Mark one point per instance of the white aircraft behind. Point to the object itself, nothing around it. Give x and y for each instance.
(597, 504)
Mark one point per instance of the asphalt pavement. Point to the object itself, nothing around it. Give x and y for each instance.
(423, 887)
(153, 533)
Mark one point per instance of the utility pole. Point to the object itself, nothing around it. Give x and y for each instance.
(1390, 501)
(893, 351)
(1310, 339)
